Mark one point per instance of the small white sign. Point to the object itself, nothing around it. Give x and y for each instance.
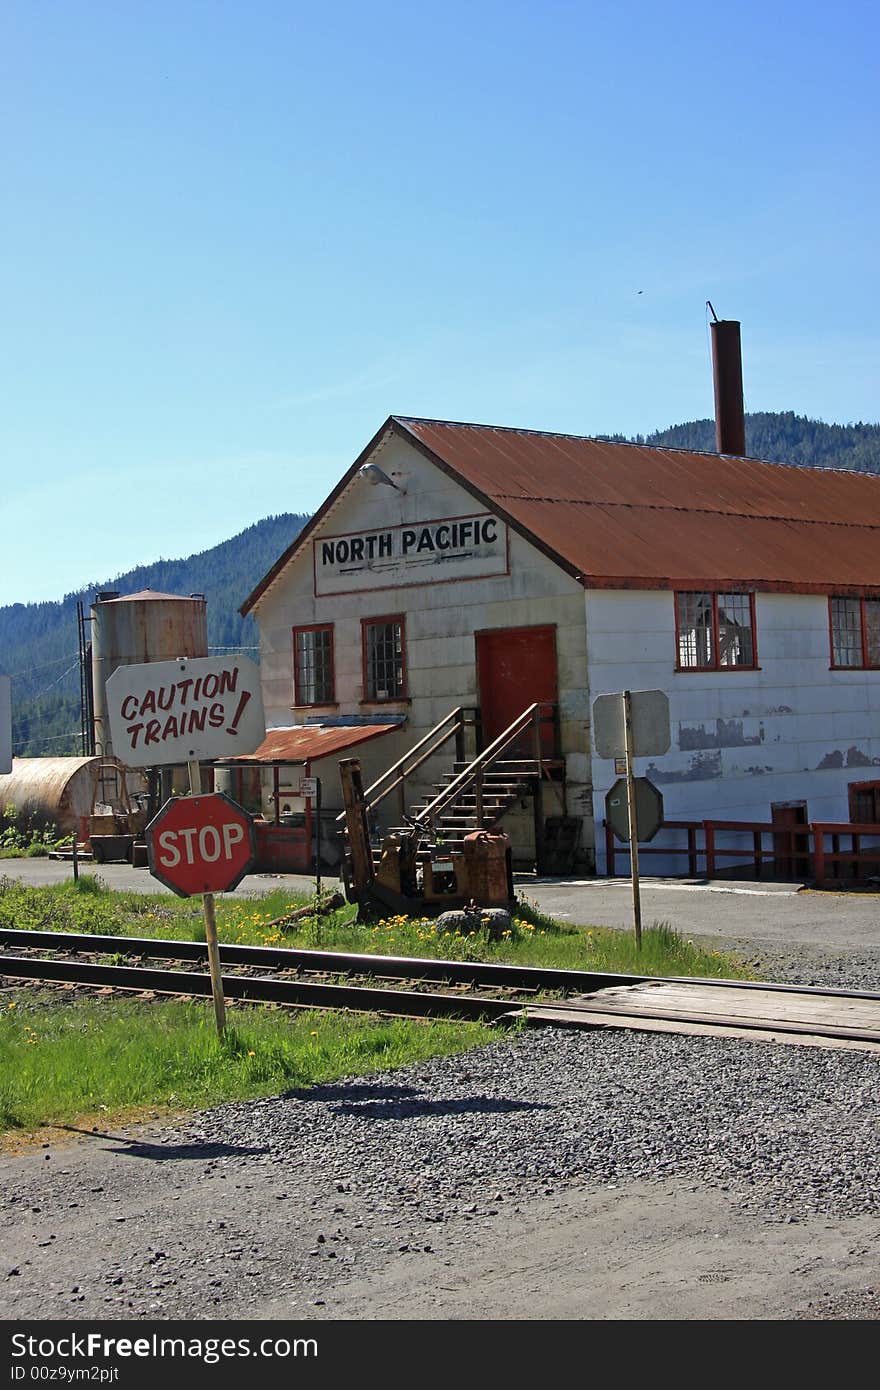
(308, 786)
(195, 707)
(5, 724)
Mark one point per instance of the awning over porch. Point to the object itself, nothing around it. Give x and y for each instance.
(309, 742)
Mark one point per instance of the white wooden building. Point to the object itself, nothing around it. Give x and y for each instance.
(472, 567)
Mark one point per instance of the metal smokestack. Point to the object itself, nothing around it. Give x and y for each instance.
(730, 420)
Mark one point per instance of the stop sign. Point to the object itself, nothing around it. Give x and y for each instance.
(201, 844)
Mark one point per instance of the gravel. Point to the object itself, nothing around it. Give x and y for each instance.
(367, 1168)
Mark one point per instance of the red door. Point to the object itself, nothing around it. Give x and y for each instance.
(516, 667)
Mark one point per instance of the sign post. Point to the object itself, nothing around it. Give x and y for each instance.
(195, 786)
(632, 816)
(626, 726)
(5, 724)
(310, 787)
(318, 837)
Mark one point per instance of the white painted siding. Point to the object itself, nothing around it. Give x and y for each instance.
(794, 730)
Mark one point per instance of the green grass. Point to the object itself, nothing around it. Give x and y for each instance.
(61, 1062)
(535, 939)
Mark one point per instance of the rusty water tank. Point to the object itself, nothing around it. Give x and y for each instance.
(133, 628)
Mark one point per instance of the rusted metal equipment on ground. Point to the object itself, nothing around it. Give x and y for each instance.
(413, 873)
(116, 822)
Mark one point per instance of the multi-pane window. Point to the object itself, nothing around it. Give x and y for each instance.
(384, 661)
(313, 665)
(715, 632)
(855, 632)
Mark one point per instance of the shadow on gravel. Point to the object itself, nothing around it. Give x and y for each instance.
(402, 1102)
(136, 1149)
(139, 1148)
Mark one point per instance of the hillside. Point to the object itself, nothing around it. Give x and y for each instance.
(38, 641)
(783, 437)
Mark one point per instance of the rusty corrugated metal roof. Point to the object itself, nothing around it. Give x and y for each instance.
(632, 516)
(627, 515)
(308, 742)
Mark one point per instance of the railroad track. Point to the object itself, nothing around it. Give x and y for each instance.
(300, 978)
(415, 987)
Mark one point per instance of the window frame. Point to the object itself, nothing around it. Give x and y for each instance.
(718, 665)
(864, 664)
(299, 702)
(386, 618)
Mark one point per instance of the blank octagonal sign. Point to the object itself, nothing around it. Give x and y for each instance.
(201, 844)
(649, 809)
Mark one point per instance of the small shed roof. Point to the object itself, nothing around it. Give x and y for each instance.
(632, 516)
(306, 743)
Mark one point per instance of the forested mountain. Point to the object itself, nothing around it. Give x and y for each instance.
(38, 641)
(783, 437)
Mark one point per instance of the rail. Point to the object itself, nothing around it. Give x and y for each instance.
(790, 845)
(532, 718)
(453, 725)
(857, 857)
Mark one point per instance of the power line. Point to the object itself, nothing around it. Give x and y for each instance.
(52, 684)
(54, 738)
(30, 670)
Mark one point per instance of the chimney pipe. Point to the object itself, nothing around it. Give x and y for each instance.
(730, 420)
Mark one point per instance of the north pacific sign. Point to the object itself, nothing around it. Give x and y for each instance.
(421, 552)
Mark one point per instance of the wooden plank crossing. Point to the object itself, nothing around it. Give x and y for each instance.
(717, 1010)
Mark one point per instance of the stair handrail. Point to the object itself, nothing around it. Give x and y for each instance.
(455, 718)
(474, 770)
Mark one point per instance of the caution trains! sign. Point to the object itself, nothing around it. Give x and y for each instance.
(192, 708)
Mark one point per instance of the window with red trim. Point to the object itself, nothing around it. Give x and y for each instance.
(715, 632)
(855, 632)
(313, 677)
(384, 658)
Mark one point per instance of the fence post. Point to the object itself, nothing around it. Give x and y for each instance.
(710, 848)
(609, 850)
(819, 855)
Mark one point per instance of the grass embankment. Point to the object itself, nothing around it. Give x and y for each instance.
(62, 1059)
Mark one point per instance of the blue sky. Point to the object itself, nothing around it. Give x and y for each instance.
(236, 237)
